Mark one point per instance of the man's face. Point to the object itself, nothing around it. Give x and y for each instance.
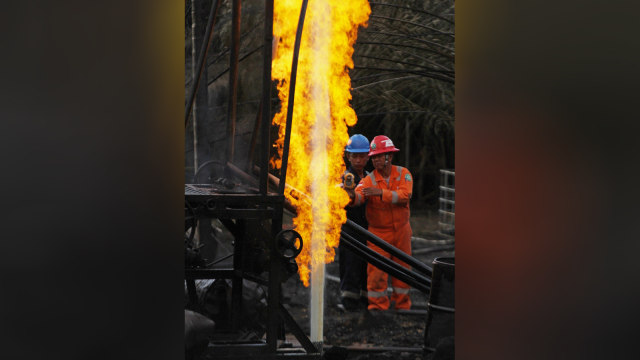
(378, 160)
(358, 160)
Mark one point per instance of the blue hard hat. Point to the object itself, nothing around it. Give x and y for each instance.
(357, 144)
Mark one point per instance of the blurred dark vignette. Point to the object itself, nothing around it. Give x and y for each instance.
(547, 138)
(547, 133)
(92, 105)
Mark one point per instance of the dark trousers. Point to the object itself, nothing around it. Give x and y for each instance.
(353, 275)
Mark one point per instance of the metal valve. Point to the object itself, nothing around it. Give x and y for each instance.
(288, 243)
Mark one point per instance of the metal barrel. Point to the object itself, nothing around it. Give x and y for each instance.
(441, 305)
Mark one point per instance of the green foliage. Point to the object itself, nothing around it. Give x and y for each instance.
(404, 75)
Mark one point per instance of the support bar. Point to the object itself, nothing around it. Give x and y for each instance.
(201, 59)
(297, 332)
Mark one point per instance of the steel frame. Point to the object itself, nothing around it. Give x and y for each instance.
(248, 208)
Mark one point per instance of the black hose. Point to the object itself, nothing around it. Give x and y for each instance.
(413, 262)
(370, 253)
(292, 95)
(386, 265)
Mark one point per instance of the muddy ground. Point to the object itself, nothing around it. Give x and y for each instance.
(401, 334)
(363, 329)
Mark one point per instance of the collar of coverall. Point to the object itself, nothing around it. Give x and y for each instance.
(379, 177)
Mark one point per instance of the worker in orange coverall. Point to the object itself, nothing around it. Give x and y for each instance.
(387, 191)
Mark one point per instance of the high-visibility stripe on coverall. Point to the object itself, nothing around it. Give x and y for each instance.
(388, 217)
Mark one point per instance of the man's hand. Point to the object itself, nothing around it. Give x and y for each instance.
(351, 193)
(371, 191)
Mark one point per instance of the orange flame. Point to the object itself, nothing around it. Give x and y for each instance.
(321, 116)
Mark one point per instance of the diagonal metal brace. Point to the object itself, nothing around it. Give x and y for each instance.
(296, 330)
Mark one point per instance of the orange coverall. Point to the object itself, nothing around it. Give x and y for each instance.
(388, 217)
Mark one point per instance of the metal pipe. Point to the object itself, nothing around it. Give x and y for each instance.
(294, 192)
(193, 76)
(233, 77)
(435, 249)
(390, 248)
(370, 253)
(396, 269)
(201, 59)
(377, 349)
(273, 299)
(254, 137)
(241, 174)
(292, 95)
(266, 94)
(308, 346)
(385, 264)
(386, 268)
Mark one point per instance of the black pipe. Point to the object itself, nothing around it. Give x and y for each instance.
(392, 268)
(266, 96)
(308, 346)
(201, 59)
(292, 95)
(254, 138)
(413, 262)
(273, 299)
(387, 268)
(233, 77)
(368, 251)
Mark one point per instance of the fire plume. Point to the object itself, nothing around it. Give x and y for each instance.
(321, 116)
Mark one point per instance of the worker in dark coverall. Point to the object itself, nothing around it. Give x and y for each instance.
(353, 270)
(387, 191)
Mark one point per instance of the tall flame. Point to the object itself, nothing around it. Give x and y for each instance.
(321, 116)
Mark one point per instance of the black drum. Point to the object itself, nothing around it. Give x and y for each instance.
(441, 307)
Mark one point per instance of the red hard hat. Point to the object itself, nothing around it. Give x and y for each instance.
(381, 144)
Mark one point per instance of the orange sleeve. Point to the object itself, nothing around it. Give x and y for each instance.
(359, 199)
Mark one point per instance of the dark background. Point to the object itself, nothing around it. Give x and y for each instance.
(93, 147)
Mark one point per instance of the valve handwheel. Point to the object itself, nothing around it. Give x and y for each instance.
(288, 243)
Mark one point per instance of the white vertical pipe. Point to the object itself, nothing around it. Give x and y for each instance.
(319, 167)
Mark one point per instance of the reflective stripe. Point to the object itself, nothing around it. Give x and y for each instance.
(349, 294)
(401, 290)
(399, 173)
(363, 293)
(373, 178)
(358, 199)
(394, 197)
(376, 294)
